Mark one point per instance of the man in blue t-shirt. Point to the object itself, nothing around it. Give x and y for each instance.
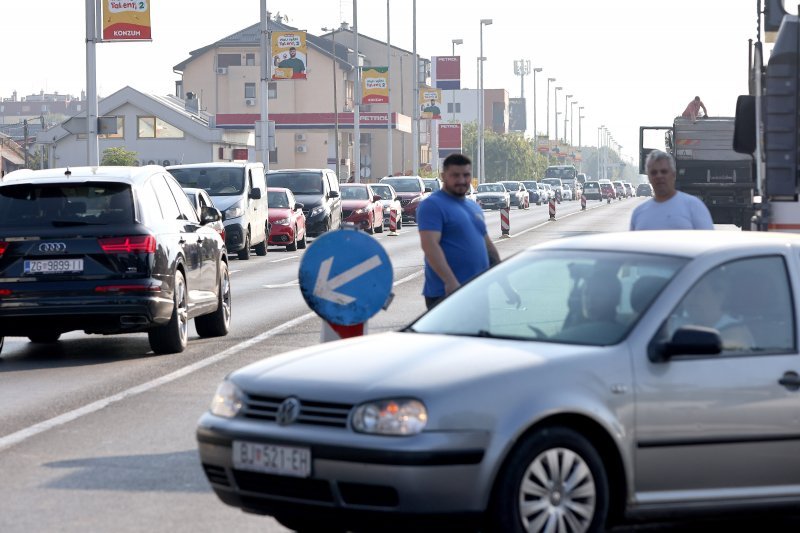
(453, 233)
(669, 208)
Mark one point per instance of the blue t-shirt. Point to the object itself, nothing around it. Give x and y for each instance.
(460, 221)
(682, 211)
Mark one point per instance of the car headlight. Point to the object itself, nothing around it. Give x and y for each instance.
(391, 417)
(234, 211)
(283, 222)
(317, 210)
(227, 401)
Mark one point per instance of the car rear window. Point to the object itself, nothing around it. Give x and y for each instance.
(297, 182)
(404, 185)
(65, 204)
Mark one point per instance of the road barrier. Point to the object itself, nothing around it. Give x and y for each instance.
(552, 206)
(505, 222)
(583, 203)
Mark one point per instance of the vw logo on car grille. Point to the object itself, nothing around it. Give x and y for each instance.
(288, 411)
(52, 247)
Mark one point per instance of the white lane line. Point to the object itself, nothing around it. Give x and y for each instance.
(285, 259)
(65, 418)
(233, 271)
(293, 283)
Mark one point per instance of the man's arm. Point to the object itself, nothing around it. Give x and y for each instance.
(705, 111)
(436, 259)
(494, 255)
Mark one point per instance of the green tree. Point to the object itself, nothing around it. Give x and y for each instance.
(119, 157)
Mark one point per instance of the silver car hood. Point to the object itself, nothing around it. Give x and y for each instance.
(396, 363)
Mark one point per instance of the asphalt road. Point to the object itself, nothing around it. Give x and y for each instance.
(97, 433)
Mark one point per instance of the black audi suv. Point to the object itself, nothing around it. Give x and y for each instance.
(109, 250)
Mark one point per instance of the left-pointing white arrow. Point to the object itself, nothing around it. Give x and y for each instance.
(325, 287)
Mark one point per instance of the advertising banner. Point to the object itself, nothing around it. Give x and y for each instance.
(542, 144)
(126, 20)
(517, 114)
(289, 55)
(446, 72)
(375, 85)
(429, 100)
(449, 139)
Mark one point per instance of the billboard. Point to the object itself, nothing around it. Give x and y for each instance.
(429, 100)
(126, 20)
(289, 55)
(446, 72)
(449, 139)
(374, 85)
(517, 114)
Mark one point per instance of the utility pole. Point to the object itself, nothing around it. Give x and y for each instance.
(388, 94)
(415, 82)
(548, 107)
(535, 131)
(266, 70)
(335, 105)
(357, 103)
(92, 148)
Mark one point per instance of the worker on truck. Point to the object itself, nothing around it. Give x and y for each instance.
(693, 109)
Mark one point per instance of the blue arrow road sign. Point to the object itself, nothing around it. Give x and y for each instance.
(346, 277)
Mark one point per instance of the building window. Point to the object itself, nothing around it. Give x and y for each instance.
(450, 107)
(272, 90)
(249, 90)
(120, 134)
(155, 128)
(229, 60)
(250, 60)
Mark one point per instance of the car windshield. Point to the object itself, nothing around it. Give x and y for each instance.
(591, 185)
(383, 190)
(215, 181)
(591, 298)
(297, 182)
(405, 185)
(553, 182)
(278, 199)
(510, 185)
(354, 193)
(433, 184)
(560, 172)
(529, 184)
(27, 205)
(491, 187)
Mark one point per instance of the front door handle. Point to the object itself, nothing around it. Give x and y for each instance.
(790, 380)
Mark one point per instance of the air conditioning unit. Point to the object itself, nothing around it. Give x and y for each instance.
(250, 101)
(299, 136)
(222, 70)
(302, 149)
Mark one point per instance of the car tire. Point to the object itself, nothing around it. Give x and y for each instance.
(173, 336)
(302, 242)
(45, 337)
(218, 323)
(293, 245)
(244, 253)
(533, 472)
(261, 248)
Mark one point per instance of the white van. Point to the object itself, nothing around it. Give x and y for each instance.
(239, 191)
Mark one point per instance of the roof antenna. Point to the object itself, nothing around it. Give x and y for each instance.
(68, 172)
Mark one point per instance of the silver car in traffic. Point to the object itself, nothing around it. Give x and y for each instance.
(651, 375)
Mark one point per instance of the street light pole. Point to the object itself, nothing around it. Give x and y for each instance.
(453, 99)
(415, 82)
(482, 118)
(580, 118)
(388, 93)
(265, 75)
(357, 103)
(566, 114)
(335, 104)
(535, 132)
(571, 120)
(548, 107)
(599, 130)
(555, 103)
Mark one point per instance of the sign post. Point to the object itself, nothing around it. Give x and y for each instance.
(346, 278)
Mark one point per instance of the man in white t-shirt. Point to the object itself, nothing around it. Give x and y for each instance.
(669, 208)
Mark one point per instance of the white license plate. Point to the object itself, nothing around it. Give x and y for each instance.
(53, 266)
(272, 459)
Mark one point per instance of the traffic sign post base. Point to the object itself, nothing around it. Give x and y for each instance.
(335, 332)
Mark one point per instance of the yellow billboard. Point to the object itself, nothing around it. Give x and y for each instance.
(289, 55)
(375, 85)
(429, 100)
(126, 20)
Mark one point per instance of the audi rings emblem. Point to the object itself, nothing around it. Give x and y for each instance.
(50, 247)
(288, 411)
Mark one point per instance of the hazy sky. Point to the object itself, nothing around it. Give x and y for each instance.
(628, 62)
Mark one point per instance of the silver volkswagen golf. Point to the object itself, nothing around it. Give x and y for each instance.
(654, 373)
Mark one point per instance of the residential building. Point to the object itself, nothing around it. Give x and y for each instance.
(462, 106)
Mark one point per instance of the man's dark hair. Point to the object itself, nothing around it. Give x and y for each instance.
(457, 160)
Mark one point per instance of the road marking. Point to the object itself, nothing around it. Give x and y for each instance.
(325, 287)
(285, 259)
(545, 223)
(31, 431)
(232, 271)
(293, 283)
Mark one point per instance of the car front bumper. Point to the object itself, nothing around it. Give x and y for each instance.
(234, 235)
(281, 235)
(433, 473)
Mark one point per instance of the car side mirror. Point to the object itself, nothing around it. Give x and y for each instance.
(255, 194)
(298, 205)
(687, 340)
(377, 198)
(333, 194)
(209, 215)
(428, 189)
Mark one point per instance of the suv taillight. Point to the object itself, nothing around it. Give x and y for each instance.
(119, 245)
(3, 247)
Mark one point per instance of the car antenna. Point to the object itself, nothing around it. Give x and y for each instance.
(68, 172)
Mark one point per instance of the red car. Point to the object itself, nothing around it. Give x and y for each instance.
(411, 190)
(286, 219)
(607, 190)
(362, 206)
